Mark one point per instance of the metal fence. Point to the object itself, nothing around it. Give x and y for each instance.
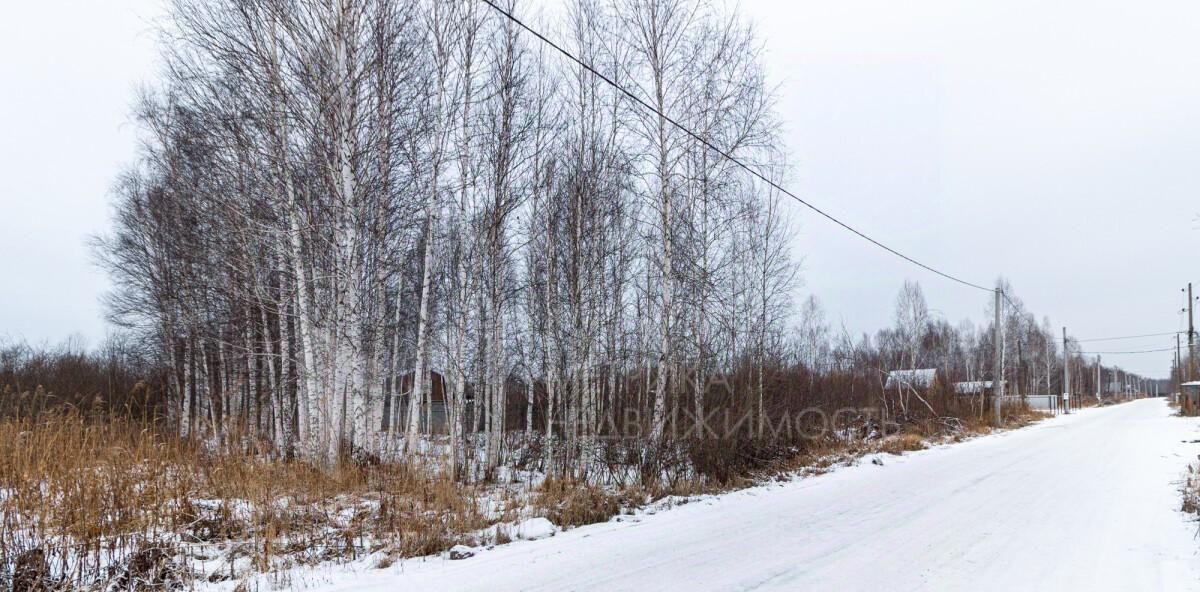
(1052, 403)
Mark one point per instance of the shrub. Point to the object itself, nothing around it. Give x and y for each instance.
(570, 503)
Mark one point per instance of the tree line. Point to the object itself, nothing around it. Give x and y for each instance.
(334, 195)
(117, 378)
(349, 212)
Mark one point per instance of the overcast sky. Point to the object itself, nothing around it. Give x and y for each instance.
(1054, 143)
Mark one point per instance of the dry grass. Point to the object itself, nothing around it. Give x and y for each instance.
(96, 496)
(1190, 490)
(901, 443)
(1017, 416)
(1013, 416)
(569, 503)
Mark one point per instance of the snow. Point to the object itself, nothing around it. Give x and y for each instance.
(523, 530)
(1087, 501)
(533, 529)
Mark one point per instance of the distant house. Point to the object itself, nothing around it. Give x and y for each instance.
(918, 379)
(432, 411)
(973, 387)
(1189, 397)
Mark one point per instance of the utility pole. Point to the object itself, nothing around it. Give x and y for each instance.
(1048, 367)
(997, 367)
(1191, 336)
(1098, 401)
(1066, 376)
(1178, 369)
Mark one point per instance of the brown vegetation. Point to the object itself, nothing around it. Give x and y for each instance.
(116, 379)
(94, 497)
(1191, 490)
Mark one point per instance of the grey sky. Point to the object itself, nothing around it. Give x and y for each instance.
(68, 76)
(1057, 144)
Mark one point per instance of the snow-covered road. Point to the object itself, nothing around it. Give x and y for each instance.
(1082, 502)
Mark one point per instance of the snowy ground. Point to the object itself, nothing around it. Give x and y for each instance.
(1082, 502)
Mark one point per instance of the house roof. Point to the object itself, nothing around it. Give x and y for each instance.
(915, 378)
(1192, 383)
(972, 386)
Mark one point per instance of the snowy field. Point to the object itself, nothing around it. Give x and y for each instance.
(1088, 501)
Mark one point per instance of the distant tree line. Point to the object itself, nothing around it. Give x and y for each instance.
(117, 378)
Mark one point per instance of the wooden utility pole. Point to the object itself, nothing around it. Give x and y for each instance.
(1178, 368)
(1098, 400)
(1191, 336)
(997, 366)
(1066, 375)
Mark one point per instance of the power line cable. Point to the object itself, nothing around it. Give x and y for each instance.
(706, 143)
(1130, 336)
(1009, 300)
(1144, 351)
(723, 153)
